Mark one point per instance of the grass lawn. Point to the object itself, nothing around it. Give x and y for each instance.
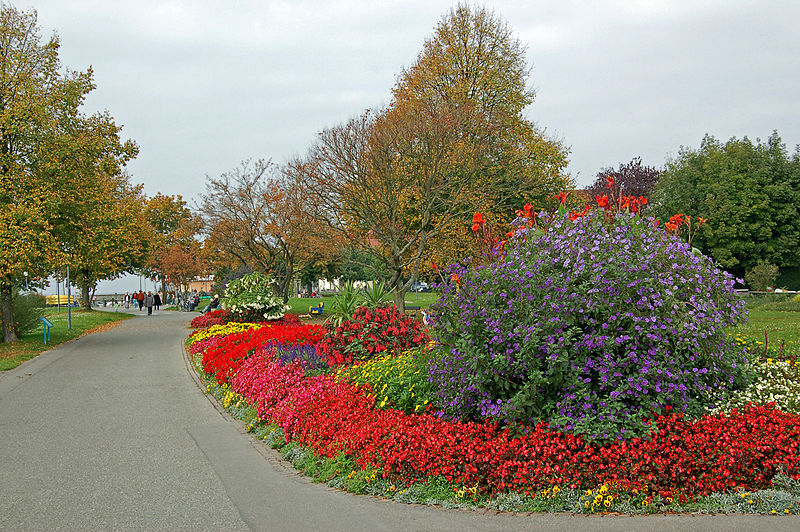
(779, 325)
(300, 304)
(31, 344)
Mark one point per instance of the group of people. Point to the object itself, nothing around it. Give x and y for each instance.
(148, 300)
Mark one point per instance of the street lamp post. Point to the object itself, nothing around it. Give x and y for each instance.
(69, 302)
(27, 289)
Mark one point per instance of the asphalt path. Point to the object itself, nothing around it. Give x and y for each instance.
(112, 431)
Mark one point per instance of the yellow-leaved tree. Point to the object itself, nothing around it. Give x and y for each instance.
(406, 180)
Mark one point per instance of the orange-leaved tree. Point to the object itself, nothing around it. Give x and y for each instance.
(453, 138)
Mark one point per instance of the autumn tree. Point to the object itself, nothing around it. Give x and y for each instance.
(630, 179)
(30, 89)
(750, 193)
(256, 215)
(180, 264)
(98, 218)
(454, 139)
(175, 227)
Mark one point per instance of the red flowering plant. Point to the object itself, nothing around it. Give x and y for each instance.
(679, 459)
(370, 332)
(226, 357)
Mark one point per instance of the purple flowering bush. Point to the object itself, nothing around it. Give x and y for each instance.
(593, 325)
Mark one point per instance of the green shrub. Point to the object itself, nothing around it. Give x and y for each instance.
(28, 308)
(761, 276)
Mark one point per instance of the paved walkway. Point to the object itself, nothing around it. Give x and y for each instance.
(110, 431)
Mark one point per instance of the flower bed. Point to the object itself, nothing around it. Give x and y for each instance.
(586, 381)
(681, 459)
(226, 357)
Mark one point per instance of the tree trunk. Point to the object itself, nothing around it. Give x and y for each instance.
(86, 303)
(7, 307)
(397, 289)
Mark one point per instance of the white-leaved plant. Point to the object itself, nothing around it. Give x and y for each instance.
(252, 298)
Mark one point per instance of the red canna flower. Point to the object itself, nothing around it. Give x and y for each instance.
(562, 198)
(602, 201)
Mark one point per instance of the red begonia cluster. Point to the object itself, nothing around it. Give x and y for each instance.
(215, 317)
(225, 358)
(681, 459)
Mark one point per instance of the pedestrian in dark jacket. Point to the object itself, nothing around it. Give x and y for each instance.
(157, 301)
(148, 302)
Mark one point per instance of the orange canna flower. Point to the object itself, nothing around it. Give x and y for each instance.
(477, 218)
(602, 201)
(610, 181)
(562, 198)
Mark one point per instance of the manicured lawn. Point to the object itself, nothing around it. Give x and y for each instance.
(779, 325)
(300, 304)
(32, 344)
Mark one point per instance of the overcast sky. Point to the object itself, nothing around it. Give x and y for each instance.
(202, 85)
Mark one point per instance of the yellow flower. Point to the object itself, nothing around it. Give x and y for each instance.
(556, 489)
(774, 512)
(786, 511)
(588, 492)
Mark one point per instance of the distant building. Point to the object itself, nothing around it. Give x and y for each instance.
(202, 284)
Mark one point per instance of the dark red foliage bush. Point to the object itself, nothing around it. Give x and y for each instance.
(370, 332)
(215, 317)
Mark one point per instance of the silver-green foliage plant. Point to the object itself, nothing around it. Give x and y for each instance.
(252, 299)
(376, 294)
(344, 304)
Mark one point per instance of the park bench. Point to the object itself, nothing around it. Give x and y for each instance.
(413, 310)
(316, 310)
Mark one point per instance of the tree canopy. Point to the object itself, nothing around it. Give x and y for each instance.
(405, 180)
(64, 195)
(749, 191)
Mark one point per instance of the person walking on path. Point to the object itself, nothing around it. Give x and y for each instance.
(148, 302)
(140, 299)
(157, 300)
(127, 300)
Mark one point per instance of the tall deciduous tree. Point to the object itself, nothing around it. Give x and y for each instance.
(30, 86)
(750, 192)
(407, 179)
(256, 214)
(98, 218)
(175, 226)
